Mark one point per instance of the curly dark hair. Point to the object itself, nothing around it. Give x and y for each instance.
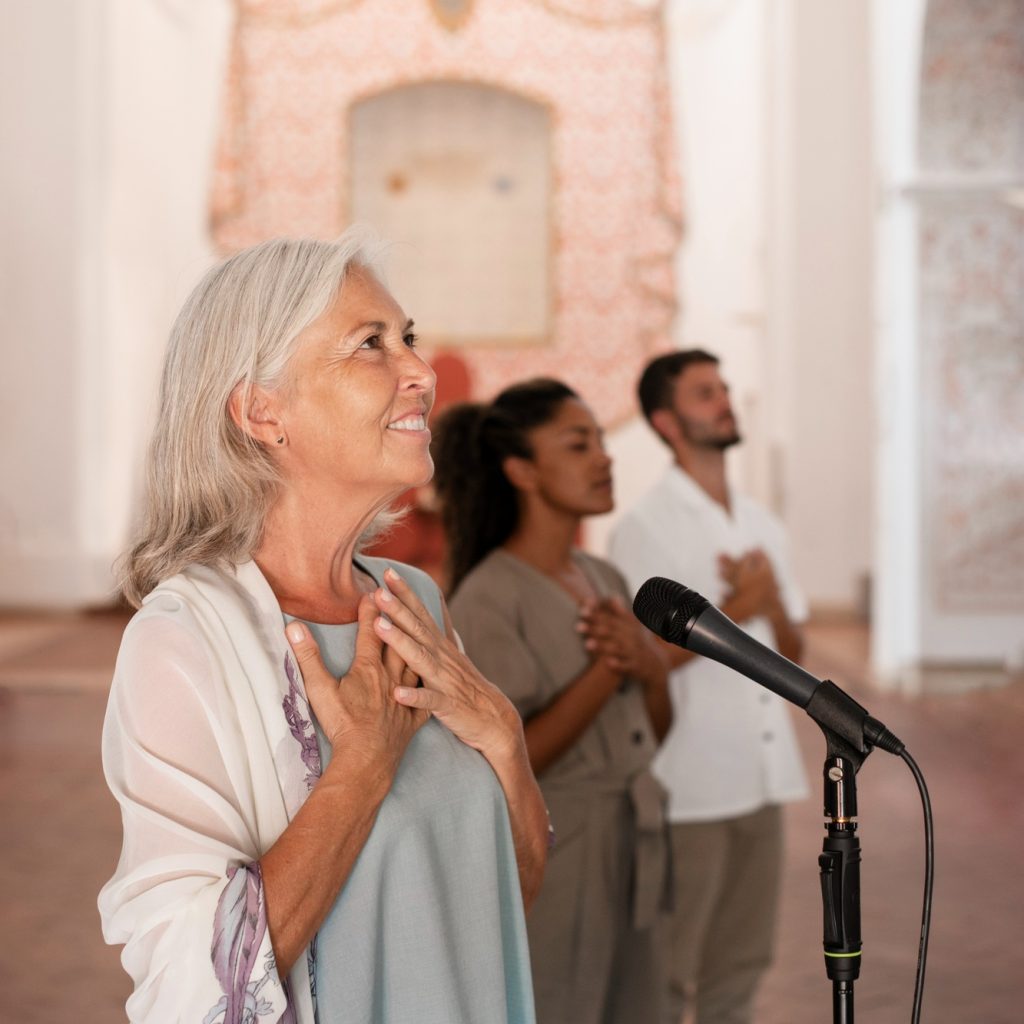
(479, 506)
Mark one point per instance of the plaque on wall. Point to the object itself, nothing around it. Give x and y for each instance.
(452, 13)
(549, 120)
(457, 177)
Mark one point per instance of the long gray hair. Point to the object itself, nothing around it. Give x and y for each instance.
(209, 485)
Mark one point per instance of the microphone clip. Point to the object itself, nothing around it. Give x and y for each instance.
(850, 732)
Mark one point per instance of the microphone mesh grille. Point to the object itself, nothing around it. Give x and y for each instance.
(665, 607)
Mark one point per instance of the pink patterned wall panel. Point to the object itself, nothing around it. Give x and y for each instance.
(971, 87)
(972, 333)
(298, 67)
(971, 279)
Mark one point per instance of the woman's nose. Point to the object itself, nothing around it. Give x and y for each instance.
(416, 372)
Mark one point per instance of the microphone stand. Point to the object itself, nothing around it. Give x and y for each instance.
(682, 617)
(839, 866)
(850, 735)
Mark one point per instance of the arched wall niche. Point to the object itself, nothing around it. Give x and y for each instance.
(599, 69)
(458, 176)
(952, 234)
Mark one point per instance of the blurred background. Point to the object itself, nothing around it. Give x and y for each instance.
(827, 193)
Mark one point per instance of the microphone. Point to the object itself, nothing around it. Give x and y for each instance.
(685, 618)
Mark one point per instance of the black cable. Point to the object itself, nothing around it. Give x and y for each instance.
(929, 878)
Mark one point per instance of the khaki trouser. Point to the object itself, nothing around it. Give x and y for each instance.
(721, 930)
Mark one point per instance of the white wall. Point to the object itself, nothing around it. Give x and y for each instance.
(772, 108)
(111, 108)
(43, 296)
(897, 591)
(946, 175)
(717, 53)
(820, 272)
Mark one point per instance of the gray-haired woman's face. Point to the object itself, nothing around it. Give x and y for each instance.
(355, 411)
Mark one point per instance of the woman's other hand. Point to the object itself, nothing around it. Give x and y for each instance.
(475, 710)
(358, 713)
(453, 690)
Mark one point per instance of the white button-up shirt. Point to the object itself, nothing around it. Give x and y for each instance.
(731, 748)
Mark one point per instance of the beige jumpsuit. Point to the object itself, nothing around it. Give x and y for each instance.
(591, 931)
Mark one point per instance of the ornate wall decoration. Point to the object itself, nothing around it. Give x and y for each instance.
(972, 334)
(971, 303)
(284, 160)
(972, 70)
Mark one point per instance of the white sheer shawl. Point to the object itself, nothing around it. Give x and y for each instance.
(209, 749)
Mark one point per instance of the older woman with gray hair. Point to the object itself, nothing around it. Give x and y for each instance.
(328, 812)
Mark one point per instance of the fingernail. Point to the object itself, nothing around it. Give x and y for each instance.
(295, 632)
(384, 622)
(402, 692)
(391, 574)
(384, 594)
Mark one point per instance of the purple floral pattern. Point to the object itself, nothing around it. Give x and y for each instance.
(239, 925)
(296, 712)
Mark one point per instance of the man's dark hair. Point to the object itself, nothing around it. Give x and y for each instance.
(660, 374)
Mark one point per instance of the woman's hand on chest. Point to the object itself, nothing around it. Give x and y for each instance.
(358, 712)
(453, 690)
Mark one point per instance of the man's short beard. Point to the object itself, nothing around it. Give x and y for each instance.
(722, 443)
(718, 444)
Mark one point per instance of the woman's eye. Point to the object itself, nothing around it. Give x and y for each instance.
(410, 340)
(371, 342)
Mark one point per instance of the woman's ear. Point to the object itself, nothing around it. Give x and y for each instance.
(254, 412)
(521, 473)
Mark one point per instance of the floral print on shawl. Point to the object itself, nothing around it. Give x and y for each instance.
(240, 921)
(296, 711)
(239, 925)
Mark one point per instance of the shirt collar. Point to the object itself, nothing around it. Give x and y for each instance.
(689, 491)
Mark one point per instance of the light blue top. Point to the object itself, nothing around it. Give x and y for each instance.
(429, 928)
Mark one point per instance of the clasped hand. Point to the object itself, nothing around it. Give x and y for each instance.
(405, 669)
(751, 581)
(611, 632)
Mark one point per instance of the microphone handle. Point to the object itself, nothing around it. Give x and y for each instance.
(714, 635)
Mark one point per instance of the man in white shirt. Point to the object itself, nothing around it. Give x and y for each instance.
(730, 758)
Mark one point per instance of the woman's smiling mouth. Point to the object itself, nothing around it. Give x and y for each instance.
(415, 422)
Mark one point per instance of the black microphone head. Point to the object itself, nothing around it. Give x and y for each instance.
(667, 608)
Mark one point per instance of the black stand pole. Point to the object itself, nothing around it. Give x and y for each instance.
(839, 864)
(850, 734)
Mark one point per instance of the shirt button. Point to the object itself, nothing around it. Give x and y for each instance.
(765, 698)
(638, 737)
(767, 736)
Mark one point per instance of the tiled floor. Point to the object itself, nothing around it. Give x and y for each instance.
(60, 842)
